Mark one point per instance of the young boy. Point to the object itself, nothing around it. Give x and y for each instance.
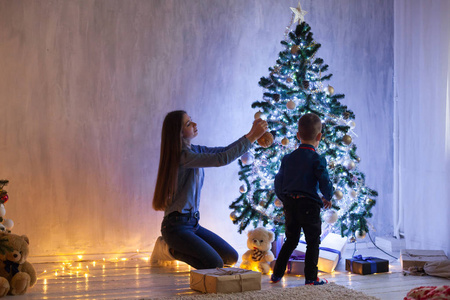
(296, 183)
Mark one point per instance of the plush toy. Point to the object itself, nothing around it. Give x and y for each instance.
(16, 273)
(259, 256)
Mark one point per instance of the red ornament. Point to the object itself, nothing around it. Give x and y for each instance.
(5, 198)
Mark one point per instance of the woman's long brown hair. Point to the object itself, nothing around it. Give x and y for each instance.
(169, 160)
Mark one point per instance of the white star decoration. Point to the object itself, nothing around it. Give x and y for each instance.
(299, 13)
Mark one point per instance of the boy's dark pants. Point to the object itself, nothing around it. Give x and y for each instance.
(300, 213)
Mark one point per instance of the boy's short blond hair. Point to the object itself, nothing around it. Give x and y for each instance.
(309, 126)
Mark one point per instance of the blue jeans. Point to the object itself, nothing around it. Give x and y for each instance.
(300, 213)
(194, 244)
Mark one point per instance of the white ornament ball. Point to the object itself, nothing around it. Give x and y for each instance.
(233, 216)
(258, 115)
(360, 234)
(338, 195)
(369, 201)
(352, 124)
(290, 105)
(243, 188)
(350, 165)
(2, 210)
(278, 203)
(353, 194)
(247, 158)
(330, 216)
(8, 223)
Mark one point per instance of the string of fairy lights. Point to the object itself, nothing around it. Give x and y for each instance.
(82, 268)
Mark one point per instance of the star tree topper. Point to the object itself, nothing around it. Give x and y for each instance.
(299, 13)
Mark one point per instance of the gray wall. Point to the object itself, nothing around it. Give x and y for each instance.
(85, 85)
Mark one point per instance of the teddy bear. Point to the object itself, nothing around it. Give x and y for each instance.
(16, 273)
(259, 256)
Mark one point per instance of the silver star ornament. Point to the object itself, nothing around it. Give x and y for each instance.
(299, 13)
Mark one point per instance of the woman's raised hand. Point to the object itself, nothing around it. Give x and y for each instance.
(258, 129)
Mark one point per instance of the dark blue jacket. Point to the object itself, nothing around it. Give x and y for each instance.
(303, 172)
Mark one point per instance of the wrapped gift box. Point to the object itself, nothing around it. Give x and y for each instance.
(276, 244)
(225, 280)
(366, 265)
(330, 250)
(295, 265)
(418, 258)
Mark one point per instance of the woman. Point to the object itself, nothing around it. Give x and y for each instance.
(178, 187)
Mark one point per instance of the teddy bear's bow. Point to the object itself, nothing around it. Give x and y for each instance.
(257, 255)
(11, 266)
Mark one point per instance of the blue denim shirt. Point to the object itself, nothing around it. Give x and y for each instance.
(303, 172)
(190, 173)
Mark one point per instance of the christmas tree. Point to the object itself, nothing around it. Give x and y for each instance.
(295, 86)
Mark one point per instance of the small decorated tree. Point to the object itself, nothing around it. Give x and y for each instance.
(5, 224)
(3, 198)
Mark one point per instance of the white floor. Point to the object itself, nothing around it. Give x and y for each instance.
(130, 277)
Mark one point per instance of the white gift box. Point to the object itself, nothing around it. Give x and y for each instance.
(331, 248)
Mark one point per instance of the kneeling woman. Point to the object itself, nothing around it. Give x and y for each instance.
(178, 187)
